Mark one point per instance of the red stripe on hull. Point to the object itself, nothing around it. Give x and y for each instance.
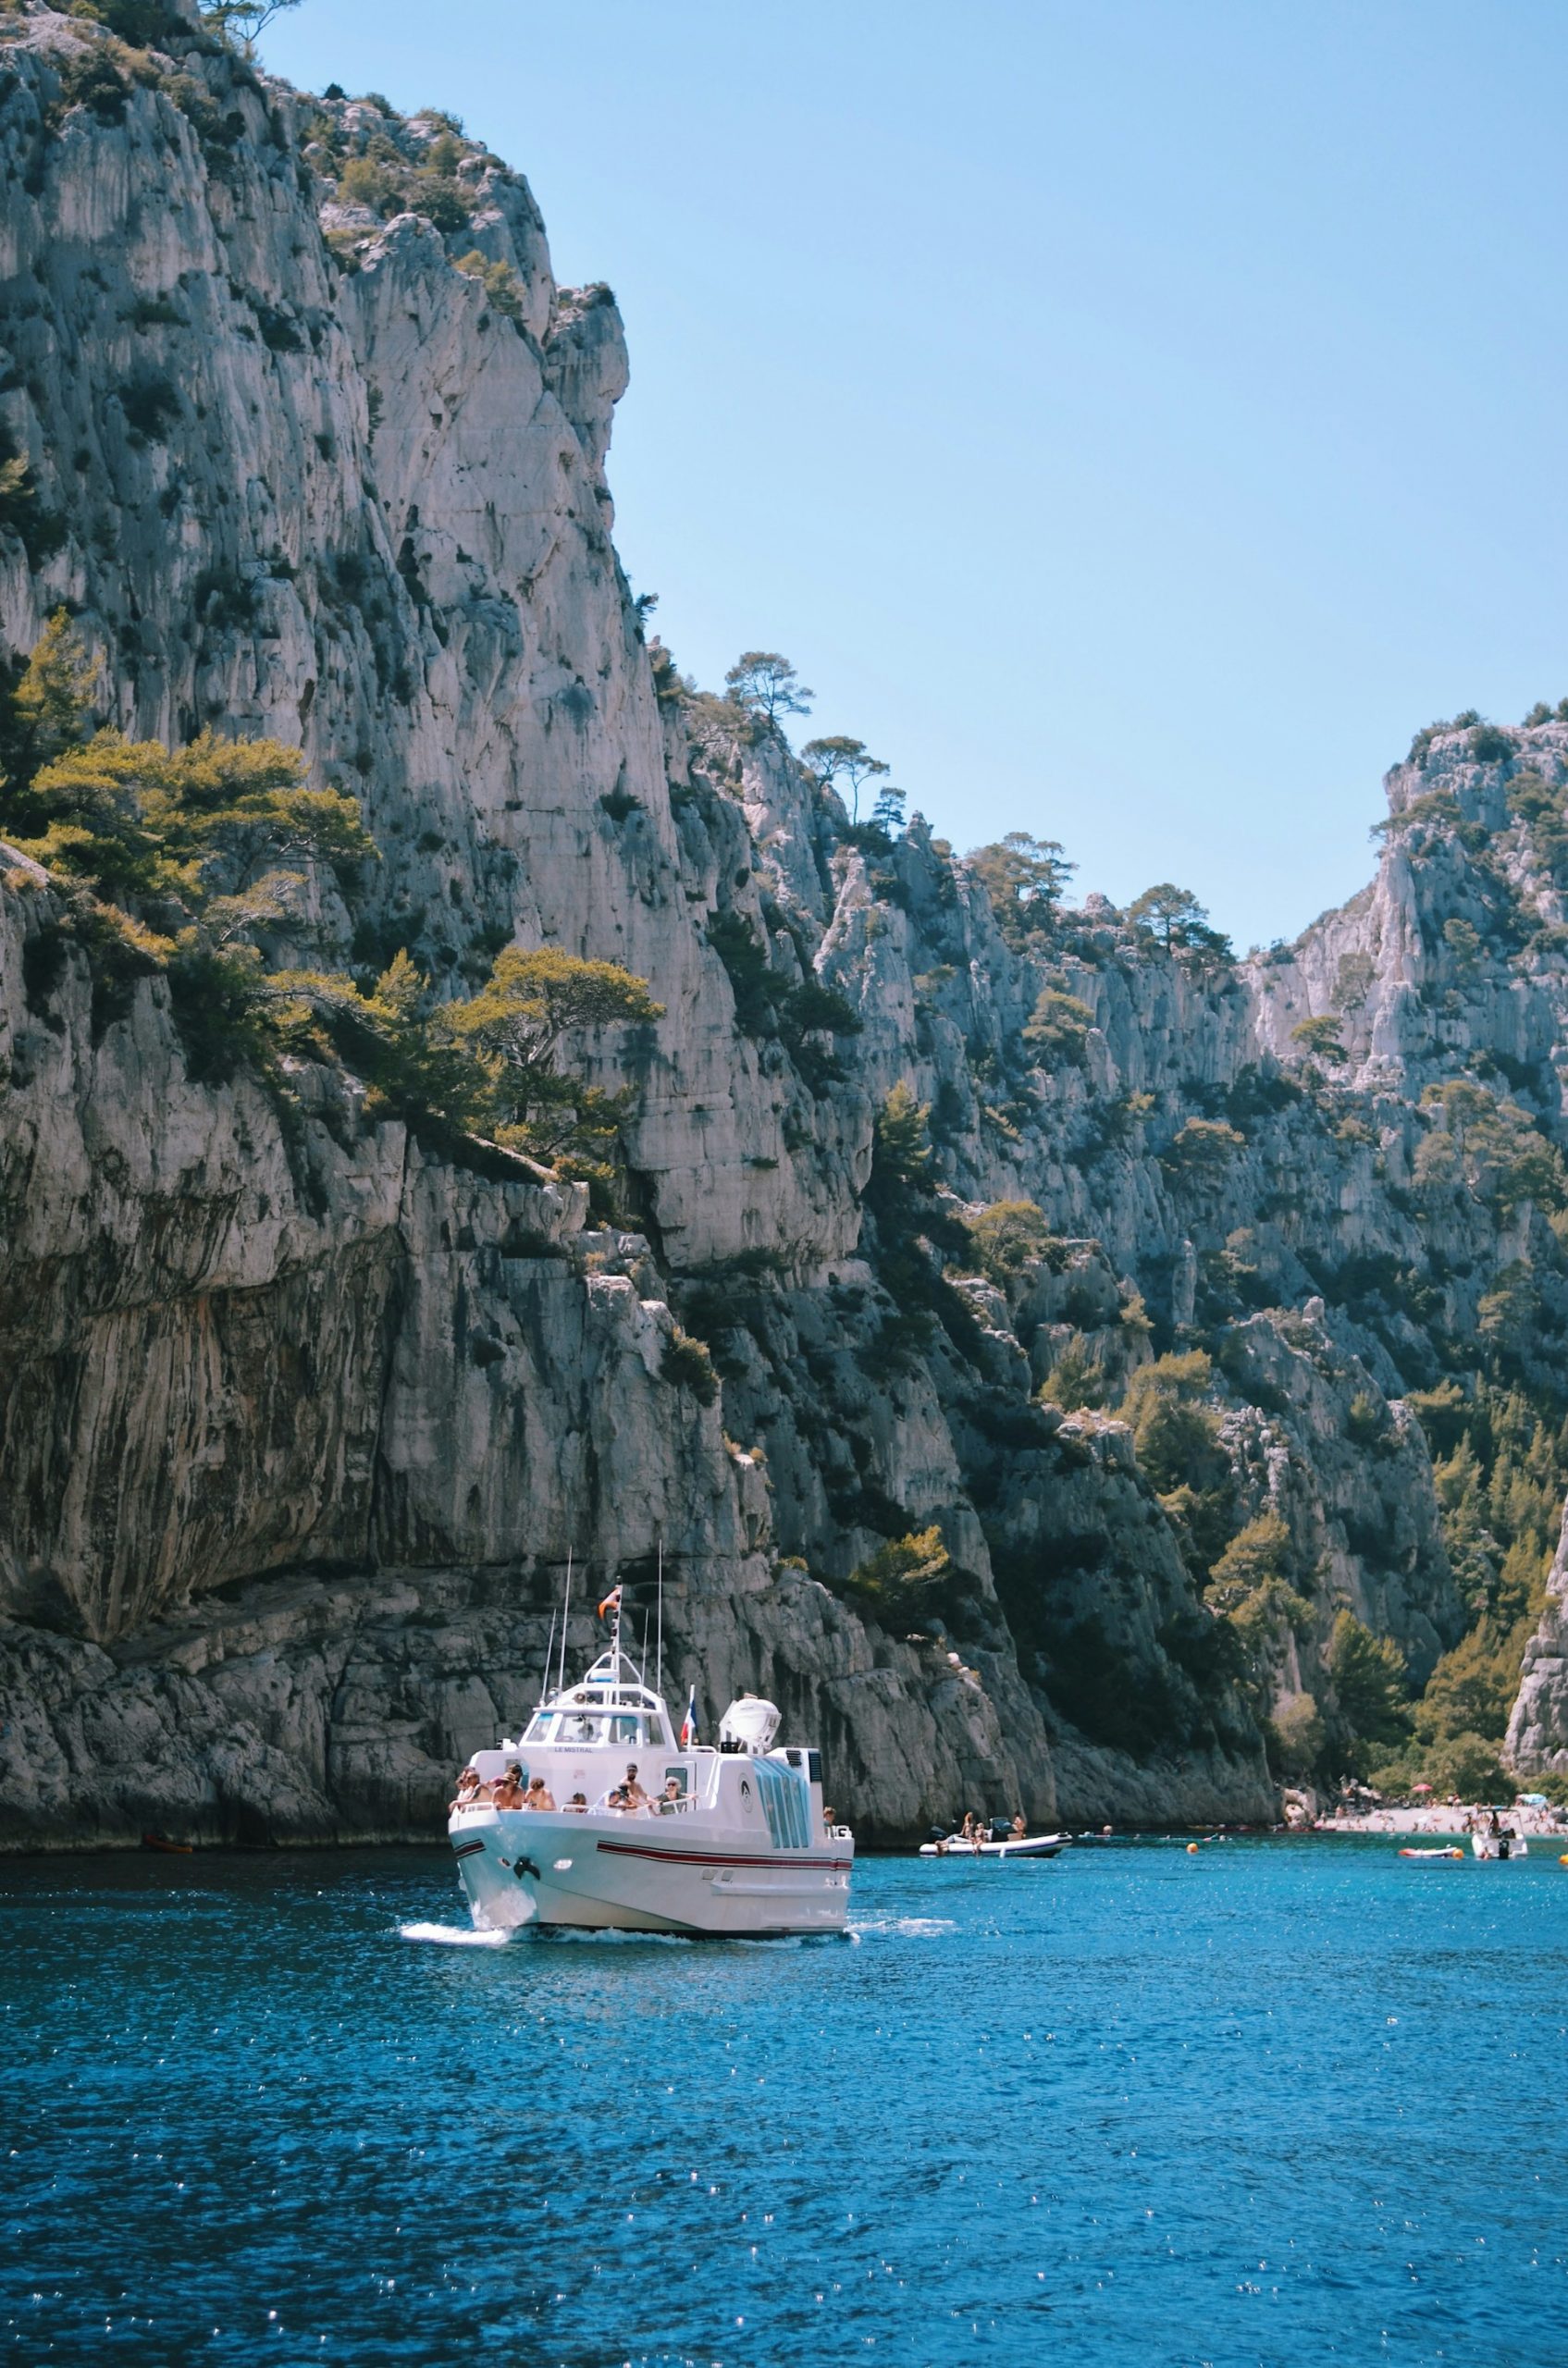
(712, 1859)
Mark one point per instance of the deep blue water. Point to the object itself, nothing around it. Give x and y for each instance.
(1284, 2102)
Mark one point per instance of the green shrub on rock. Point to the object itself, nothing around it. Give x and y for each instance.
(688, 1363)
(1059, 1026)
(1320, 1038)
(1176, 1434)
(500, 283)
(1201, 1150)
(1008, 1236)
(907, 1580)
(1295, 1736)
(1076, 1382)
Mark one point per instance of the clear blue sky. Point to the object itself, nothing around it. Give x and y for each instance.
(1133, 418)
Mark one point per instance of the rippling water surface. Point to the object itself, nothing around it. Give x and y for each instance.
(1282, 2102)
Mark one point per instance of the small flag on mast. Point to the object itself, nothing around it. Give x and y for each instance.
(689, 1724)
(612, 1602)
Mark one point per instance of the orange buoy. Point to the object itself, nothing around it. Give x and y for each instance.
(1192, 1849)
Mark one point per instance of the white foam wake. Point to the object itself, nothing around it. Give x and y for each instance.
(453, 1936)
(916, 1928)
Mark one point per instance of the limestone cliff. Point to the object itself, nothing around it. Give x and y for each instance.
(306, 1405)
(1537, 1731)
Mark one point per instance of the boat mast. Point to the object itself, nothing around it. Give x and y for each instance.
(659, 1664)
(565, 1608)
(549, 1656)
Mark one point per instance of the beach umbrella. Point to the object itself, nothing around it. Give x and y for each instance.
(1533, 1800)
(1421, 1788)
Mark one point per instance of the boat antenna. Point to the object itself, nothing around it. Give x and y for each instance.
(658, 1665)
(565, 1607)
(642, 1675)
(549, 1656)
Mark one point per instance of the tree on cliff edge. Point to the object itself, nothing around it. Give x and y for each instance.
(840, 759)
(1024, 878)
(767, 685)
(1174, 917)
(243, 21)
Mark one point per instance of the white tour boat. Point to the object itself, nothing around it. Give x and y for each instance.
(731, 1842)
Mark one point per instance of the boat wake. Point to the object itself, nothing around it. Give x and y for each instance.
(611, 1935)
(906, 1928)
(452, 1936)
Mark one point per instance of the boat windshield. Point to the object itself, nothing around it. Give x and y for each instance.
(610, 1707)
(587, 1728)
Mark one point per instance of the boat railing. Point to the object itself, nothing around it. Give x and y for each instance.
(656, 1807)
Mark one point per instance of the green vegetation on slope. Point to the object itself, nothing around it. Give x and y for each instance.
(199, 863)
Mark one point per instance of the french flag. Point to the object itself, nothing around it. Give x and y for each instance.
(689, 1724)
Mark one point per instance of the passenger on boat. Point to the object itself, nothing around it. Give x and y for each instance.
(578, 1805)
(540, 1794)
(1019, 1828)
(616, 1798)
(508, 1793)
(970, 1830)
(635, 1797)
(467, 1789)
(670, 1799)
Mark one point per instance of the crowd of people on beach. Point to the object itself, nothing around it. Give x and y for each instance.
(507, 1791)
(1359, 1810)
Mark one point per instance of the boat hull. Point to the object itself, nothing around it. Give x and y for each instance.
(1499, 1845)
(534, 1870)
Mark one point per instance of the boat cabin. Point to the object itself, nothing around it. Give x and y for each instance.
(582, 1738)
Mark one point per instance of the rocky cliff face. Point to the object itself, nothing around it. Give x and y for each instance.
(305, 1406)
(1537, 1728)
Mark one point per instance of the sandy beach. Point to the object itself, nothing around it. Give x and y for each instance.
(1445, 1817)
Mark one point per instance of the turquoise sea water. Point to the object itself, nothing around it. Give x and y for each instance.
(1284, 2102)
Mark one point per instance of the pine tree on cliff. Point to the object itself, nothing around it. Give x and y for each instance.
(767, 685)
(839, 760)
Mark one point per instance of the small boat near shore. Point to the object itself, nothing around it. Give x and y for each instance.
(1031, 1845)
(728, 1842)
(1499, 1845)
(1453, 1851)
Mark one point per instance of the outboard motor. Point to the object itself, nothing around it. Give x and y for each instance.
(1001, 1828)
(748, 1725)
